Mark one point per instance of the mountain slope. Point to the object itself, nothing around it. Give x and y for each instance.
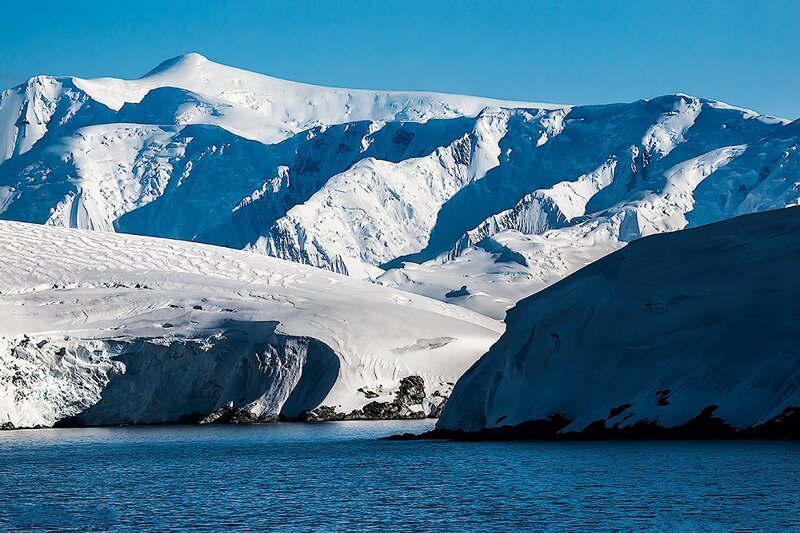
(694, 331)
(562, 226)
(109, 329)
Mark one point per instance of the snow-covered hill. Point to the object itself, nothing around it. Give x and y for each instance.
(697, 331)
(108, 329)
(468, 200)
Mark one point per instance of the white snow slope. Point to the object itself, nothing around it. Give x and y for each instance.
(700, 324)
(420, 191)
(114, 329)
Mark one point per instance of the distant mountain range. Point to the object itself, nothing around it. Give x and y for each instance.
(469, 200)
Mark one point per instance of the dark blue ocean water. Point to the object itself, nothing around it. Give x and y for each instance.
(339, 476)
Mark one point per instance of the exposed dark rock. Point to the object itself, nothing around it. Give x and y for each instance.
(355, 414)
(784, 426)
(228, 414)
(381, 410)
(368, 393)
(323, 413)
(410, 393)
(456, 293)
(704, 426)
(216, 415)
(616, 411)
(533, 430)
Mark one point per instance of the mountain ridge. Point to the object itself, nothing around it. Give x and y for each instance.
(421, 191)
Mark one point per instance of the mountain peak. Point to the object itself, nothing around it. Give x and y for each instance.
(182, 62)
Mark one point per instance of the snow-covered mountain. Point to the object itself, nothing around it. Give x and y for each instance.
(425, 192)
(699, 162)
(694, 331)
(103, 328)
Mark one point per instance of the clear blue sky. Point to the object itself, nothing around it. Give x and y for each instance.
(744, 52)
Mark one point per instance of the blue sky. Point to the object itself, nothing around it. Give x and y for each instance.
(744, 52)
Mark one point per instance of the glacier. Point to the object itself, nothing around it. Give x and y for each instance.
(422, 192)
(101, 328)
(689, 334)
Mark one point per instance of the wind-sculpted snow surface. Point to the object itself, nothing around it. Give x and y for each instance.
(101, 328)
(420, 191)
(694, 333)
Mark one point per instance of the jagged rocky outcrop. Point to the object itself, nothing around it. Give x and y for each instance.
(228, 414)
(689, 334)
(410, 402)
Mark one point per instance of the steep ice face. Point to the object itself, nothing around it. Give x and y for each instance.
(104, 328)
(652, 336)
(423, 192)
(49, 379)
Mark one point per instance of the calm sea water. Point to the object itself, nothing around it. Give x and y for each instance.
(340, 476)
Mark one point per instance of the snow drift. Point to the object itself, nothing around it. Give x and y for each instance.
(696, 331)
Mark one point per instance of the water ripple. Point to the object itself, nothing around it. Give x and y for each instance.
(339, 477)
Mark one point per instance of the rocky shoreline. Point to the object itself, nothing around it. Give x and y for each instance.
(705, 426)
